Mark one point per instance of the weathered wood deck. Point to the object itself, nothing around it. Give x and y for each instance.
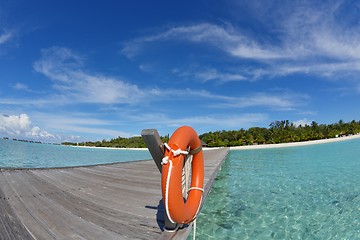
(117, 201)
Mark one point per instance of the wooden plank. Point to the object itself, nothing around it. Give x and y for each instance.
(10, 225)
(101, 215)
(21, 209)
(122, 198)
(55, 219)
(115, 201)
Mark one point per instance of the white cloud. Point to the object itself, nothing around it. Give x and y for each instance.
(214, 74)
(303, 122)
(225, 38)
(21, 86)
(340, 47)
(195, 33)
(277, 102)
(22, 127)
(220, 121)
(202, 123)
(302, 37)
(81, 123)
(64, 68)
(81, 129)
(75, 85)
(28, 101)
(146, 67)
(255, 51)
(283, 101)
(5, 37)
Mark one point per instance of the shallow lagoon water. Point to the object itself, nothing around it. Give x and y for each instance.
(14, 154)
(309, 192)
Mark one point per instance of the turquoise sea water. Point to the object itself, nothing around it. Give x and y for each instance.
(310, 192)
(14, 154)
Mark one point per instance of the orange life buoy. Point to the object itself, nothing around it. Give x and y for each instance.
(177, 210)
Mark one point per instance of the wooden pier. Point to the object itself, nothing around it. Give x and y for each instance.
(114, 201)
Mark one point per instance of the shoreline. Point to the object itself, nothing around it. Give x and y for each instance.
(262, 146)
(296, 144)
(111, 148)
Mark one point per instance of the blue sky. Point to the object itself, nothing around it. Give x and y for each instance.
(92, 70)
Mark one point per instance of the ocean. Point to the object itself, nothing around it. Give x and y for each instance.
(15, 154)
(307, 192)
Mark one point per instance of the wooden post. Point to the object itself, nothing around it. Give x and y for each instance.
(156, 148)
(154, 144)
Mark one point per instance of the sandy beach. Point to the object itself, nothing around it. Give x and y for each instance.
(111, 148)
(295, 144)
(263, 146)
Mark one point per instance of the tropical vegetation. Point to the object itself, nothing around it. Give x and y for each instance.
(278, 132)
(120, 142)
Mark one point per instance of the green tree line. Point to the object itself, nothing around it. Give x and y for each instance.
(119, 142)
(282, 131)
